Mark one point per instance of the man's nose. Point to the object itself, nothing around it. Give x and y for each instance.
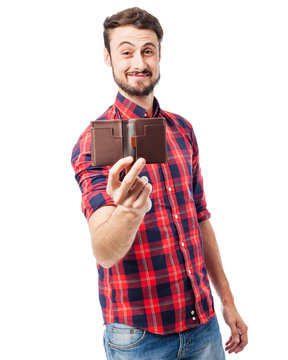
(139, 62)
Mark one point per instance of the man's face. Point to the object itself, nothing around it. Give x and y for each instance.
(134, 57)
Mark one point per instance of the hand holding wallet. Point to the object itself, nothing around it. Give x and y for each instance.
(112, 140)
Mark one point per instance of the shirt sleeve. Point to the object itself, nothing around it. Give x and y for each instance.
(91, 180)
(198, 188)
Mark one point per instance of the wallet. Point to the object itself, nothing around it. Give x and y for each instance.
(112, 140)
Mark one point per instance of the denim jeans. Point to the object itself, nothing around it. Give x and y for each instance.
(123, 342)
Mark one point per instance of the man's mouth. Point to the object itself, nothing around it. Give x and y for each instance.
(140, 75)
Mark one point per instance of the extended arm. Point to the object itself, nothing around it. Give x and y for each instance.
(238, 339)
(113, 228)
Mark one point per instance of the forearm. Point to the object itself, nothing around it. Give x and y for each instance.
(113, 239)
(214, 264)
(113, 229)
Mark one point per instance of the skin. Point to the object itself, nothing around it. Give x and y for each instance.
(135, 61)
(239, 338)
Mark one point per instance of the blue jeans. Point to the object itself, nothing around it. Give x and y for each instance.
(123, 342)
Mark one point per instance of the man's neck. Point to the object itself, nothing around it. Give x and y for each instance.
(146, 102)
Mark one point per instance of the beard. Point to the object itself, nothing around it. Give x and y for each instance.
(141, 89)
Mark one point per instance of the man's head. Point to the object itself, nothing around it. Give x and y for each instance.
(132, 48)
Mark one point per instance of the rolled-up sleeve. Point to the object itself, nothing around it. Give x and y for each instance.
(91, 180)
(198, 188)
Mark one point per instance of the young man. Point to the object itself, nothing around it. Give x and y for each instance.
(149, 224)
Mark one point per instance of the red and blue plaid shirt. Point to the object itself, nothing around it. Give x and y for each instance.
(161, 285)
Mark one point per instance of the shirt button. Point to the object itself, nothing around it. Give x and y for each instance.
(182, 244)
(189, 272)
(194, 318)
(176, 216)
(192, 312)
(169, 188)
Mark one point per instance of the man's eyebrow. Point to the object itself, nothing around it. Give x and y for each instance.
(125, 42)
(151, 44)
(129, 43)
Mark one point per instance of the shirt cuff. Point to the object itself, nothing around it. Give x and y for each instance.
(94, 200)
(203, 215)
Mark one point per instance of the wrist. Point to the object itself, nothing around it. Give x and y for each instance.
(227, 298)
(129, 213)
(228, 302)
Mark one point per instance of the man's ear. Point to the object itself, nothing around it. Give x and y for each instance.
(107, 58)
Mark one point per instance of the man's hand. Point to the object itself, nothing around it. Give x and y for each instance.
(133, 192)
(239, 338)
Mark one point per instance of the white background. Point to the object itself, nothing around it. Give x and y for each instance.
(224, 68)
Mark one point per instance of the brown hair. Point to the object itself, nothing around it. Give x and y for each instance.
(132, 16)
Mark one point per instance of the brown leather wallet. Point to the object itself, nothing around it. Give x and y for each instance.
(112, 140)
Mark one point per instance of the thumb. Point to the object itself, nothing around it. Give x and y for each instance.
(234, 332)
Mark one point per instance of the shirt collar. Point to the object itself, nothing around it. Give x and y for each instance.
(133, 111)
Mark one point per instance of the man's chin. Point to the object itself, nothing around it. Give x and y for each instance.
(137, 91)
(139, 88)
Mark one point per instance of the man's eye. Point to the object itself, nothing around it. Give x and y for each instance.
(148, 51)
(126, 53)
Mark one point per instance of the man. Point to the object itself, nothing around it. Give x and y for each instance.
(149, 224)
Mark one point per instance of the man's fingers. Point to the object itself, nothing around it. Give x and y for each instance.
(135, 191)
(139, 183)
(113, 179)
(243, 331)
(229, 341)
(238, 340)
(135, 170)
(244, 341)
(129, 180)
(144, 198)
(231, 346)
(131, 186)
(234, 339)
(234, 333)
(236, 347)
(240, 346)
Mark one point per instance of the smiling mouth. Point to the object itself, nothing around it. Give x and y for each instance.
(140, 75)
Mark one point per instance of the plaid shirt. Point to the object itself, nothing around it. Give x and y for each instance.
(161, 285)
